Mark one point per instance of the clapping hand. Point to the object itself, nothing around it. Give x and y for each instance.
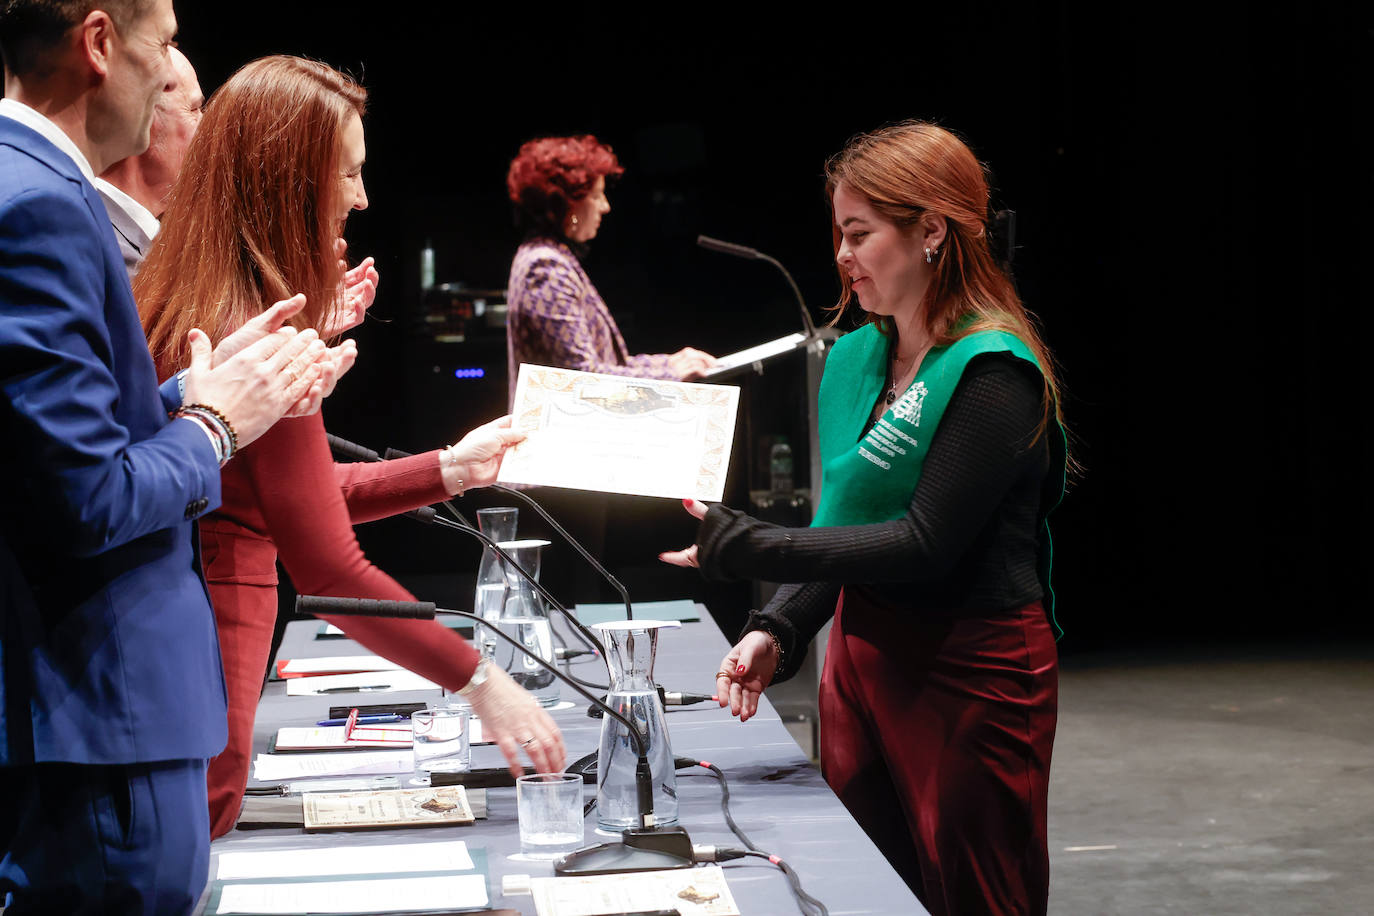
(357, 291)
(258, 374)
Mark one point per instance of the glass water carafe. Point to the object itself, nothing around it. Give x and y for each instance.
(525, 619)
(499, 525)
(630, 649)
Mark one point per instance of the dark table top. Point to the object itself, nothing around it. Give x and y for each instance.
(776, 795)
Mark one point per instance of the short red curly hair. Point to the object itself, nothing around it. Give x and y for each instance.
(550, 173)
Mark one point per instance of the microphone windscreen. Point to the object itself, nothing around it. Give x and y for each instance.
(423, 514)
(739, 251)
(317, 605)
(342, 448)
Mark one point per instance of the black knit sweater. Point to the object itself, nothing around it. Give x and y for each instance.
(967, 546)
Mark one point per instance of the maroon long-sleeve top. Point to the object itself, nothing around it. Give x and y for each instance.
(284, 496)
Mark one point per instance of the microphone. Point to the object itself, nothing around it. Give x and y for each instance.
(739, 251)
(642, 848)
(315, 605)
(345, 448)
(342, 448)
(562, 532)
(580, 628)
(753, 254)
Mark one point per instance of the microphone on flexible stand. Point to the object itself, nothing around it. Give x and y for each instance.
(643, 848)
(562, 532)
(753, 254)
(344, 448)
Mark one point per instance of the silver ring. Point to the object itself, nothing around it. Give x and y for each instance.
(527, 742)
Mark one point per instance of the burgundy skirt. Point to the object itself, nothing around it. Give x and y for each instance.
(936, 734)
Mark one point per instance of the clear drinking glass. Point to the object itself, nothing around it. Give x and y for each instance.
(549, 806)
(440, 742)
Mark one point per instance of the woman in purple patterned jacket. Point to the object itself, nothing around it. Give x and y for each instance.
(556, 316)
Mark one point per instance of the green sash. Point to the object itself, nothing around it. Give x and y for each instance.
(871, 479)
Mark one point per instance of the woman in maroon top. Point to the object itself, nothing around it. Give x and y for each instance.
(272, 174)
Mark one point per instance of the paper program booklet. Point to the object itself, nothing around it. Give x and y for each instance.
(432, 807)
(687, 891)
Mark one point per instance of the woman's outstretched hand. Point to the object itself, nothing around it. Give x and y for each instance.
(514, 720)
(744, 673)
(688, 556)
(477, 456)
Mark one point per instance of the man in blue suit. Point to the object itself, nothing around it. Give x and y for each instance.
(111, 695)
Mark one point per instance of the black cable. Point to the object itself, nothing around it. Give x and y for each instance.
(808, 904)
(724, 797)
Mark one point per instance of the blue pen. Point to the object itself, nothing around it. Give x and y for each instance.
(362, 720)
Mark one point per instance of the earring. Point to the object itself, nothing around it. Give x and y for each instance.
(930, 255)
(574, 219)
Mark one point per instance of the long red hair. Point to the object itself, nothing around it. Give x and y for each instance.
(915, 167)
(251, 219)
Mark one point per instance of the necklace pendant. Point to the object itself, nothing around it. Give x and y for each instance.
(891, 395)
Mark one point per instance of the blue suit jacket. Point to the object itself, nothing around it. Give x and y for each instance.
(108, 652)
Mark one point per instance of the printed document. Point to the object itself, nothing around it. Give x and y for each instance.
(617, 434)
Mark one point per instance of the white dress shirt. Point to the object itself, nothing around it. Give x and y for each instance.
(25, 115)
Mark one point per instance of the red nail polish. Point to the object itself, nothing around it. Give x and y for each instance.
(739, 670)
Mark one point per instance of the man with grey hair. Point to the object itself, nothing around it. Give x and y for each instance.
(111, 696)
(134, 190)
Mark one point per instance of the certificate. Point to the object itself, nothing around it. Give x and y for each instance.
(435, 807)
(646, 437)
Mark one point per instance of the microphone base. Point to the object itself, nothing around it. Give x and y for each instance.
(639, 849)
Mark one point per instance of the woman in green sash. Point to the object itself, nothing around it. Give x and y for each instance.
(942, 456)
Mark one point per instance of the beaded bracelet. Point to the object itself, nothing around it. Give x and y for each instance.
(224, 447)
(216, 442)
(222, 434)
(221, 419)
(218, 437)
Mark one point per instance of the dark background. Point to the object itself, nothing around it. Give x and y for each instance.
(1192, 192)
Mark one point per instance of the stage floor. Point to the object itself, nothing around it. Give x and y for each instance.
(1219, 781)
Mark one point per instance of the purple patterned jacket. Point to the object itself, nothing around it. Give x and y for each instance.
(557, 318)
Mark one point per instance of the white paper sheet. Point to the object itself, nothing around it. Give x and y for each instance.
(616, 434)
(690, 891)
(281, 767)
(443, 892)
(450, 855)
(369, 682)
(754, 354)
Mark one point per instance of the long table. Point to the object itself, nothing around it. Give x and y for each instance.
(776, 795)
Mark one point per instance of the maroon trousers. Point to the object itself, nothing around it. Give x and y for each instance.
(936, 734)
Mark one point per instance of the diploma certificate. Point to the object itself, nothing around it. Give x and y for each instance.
(646, 437)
